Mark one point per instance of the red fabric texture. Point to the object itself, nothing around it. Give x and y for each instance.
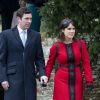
(61, 80)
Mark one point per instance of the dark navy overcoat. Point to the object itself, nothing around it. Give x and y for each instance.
(17, 63)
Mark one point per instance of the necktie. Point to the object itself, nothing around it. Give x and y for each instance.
(24, 38)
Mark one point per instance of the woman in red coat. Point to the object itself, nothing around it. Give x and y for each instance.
(68, 82)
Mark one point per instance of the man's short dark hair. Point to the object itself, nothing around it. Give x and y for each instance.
(23, 10)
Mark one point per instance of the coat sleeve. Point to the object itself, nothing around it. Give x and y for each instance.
(39, 58)
(51, 60)
(86, 64)
(3, 56)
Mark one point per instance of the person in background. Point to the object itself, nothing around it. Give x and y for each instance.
(20, 52)
(7, 9)
(35, 6)
(69, 52)
(22, 3)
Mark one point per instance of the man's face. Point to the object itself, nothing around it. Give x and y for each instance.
(25, 21)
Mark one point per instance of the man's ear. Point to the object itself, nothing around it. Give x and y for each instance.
(18, 19)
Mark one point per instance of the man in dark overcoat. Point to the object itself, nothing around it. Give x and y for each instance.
(19, 58)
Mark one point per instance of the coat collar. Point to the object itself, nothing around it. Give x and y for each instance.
(29, 36)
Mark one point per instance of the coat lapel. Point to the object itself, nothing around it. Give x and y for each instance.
(29, 37)
(16, 34)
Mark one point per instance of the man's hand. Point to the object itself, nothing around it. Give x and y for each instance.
(44, 80)
(5, 85)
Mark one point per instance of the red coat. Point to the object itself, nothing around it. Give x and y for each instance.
(68, 82)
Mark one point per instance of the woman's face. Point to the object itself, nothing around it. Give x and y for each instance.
(69, 32)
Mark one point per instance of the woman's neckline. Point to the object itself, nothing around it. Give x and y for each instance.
(68, 42)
